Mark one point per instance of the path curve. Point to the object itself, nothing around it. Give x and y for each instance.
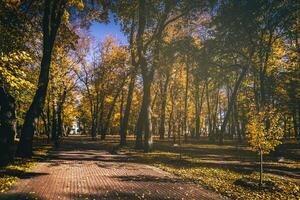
(82, 169)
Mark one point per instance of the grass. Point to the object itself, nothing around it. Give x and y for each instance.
(223, 168)
(10, 173)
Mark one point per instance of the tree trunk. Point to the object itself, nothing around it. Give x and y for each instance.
(171, 120)
(141, 64)
(231, 102)
(210, 134)
(59, 114)
(53, 12)
(261, 168)
(48, 120)
(147, 80)
(46, 127)
(139, 126)
(163, 109)
(110, 113)
(7, 127)
(198, 107)
(94, 115)
(25, 144)
(54, 123)
(215, 113)
(124, 124)
(100, 126)
(185, 127)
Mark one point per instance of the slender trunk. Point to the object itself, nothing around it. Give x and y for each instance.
(185, 127)
(163, 109)
(94, 124)
(215, 113)
(101, 116)
(59, 114)
(237, 124)
(139, 126)
(124, 124)
(261, 168)
(46, 127)
(48, 120)
(198, 107)
(59, 123)
(197, 110)
(54, 123)
(232, 101)
(108, 119)
(121, 111)
(210, 134)
(148, 142)
(7, 127)
(171, 120)
(96, 114)
(170, 125)
(110, 113)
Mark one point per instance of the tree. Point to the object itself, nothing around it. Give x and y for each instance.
(52, 16)
(14, 59)
(265, 132)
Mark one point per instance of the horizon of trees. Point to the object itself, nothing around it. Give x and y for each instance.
(190, 70)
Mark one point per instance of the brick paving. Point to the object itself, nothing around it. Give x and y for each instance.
(83, 169)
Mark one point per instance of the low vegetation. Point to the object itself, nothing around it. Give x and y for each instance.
(232, 171)
(10, 173)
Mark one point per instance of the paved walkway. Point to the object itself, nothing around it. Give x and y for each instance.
(83, 169)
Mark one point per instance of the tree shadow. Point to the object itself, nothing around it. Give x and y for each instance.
(22, 174)
(146, 178)
(130, 195)
(19, 196)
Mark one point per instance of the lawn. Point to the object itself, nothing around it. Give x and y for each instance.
(228, 169)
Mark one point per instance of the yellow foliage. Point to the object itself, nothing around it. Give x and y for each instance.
(13, 3)
(65, 17)
(76, 3)
(264, 130)
(11, 69)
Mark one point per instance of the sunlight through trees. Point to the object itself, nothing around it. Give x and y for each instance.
(190, 71)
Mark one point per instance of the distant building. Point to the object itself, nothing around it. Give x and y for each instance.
(74, 128)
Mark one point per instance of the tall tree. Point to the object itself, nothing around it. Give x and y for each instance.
(52, 16)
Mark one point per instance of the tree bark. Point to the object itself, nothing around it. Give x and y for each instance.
(198, 107)
(48, 120)
(163, 108)
(7, 127)
(261, 168)
(148, 141)
(185, 127)
(141, 64)
(210, 134)
(59, 114)
(53, 12)
(124, 124)
(232, 102)
(139, 126)
(110, 112)
(54, 123)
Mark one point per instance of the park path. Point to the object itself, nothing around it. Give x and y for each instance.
(83, 169)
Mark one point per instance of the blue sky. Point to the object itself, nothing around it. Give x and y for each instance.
(100, 30)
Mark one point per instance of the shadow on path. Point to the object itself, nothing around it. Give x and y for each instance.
(83, 169)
